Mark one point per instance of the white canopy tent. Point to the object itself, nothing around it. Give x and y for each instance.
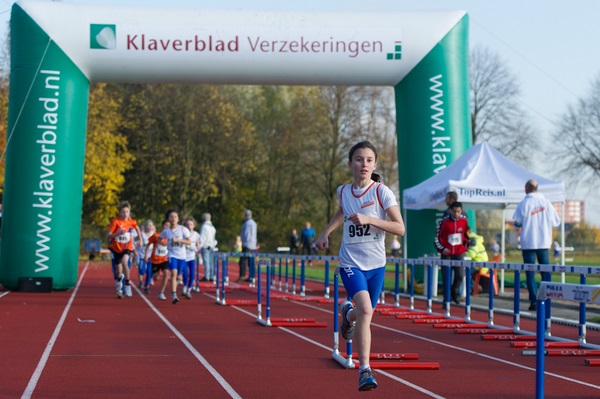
(483, 178)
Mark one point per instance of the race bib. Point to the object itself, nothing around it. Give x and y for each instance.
(161, 250)
(123, 238)
(176, 244)
(455, 239)
(190, 249)
(354, 234)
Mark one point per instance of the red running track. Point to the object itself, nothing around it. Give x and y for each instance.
(86, 343)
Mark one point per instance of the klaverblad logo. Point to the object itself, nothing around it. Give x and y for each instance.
(397, 53)
(103, 36)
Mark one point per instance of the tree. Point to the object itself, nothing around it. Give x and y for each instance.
(577, 140)
(496, 116)
(106, 158)
(193, 151)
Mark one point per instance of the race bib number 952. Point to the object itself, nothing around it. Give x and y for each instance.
(355, 234)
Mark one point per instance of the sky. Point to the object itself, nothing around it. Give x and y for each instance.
(550, 47)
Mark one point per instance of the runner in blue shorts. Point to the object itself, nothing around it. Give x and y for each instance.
(365, 207)
(179, 237)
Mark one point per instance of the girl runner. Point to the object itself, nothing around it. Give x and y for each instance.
(365, 205)
(189, 271)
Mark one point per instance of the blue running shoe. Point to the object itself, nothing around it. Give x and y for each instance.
(347, 328)
(366, 381)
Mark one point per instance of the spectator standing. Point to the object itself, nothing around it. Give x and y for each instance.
(308, 238)
(495, 247)
(249, 244)
(452, 242)
(208, 243)
(535, 216)
(294, 242)
(364, 207)
(477, 253)
(395, 246)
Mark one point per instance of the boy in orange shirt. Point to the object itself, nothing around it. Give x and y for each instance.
(121, 245)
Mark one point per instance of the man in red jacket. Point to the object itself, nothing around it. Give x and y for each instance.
(452, 242)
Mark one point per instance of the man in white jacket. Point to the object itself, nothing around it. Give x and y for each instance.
(535, 216)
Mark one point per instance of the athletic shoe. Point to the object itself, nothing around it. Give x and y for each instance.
(196, 289)
(119, 286)
(146, 290)
(188, 293)
(347, 328)
(366, 381)
(162, 296)
(184, 290)
(128, 290)
(174, 298)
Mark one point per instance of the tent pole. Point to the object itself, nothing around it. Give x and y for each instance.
(562, 239)
(503, 249)
(405, 252)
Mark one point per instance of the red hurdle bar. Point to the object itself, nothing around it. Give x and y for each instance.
(533, 344)
(592, 362)
(508, 337)
(459, 325)
(483, 331)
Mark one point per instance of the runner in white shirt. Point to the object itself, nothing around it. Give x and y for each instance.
(189, 272)
(365, 206)
(179, 237)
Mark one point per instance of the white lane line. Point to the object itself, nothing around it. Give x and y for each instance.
(228, 388)
(42, 363)
(562, 377)
(330, 349)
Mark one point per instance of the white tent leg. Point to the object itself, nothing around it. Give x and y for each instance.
(502, 249)
(562, 239)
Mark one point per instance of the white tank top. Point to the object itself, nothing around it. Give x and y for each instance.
(364, 246)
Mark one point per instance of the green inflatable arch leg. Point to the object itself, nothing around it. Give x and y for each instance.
(45, 155)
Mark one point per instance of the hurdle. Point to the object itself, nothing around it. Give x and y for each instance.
(571, 292)
(269, 321)
(383, 361)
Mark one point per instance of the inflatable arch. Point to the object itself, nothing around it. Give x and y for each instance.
(58, 49)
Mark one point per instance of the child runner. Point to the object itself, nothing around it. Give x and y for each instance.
(189, 271)
(157, 252)
(179, 237)
(364, 206)
(121, 245)
(143, 271)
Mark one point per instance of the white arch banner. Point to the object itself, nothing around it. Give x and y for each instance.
(134, 44)
(59, 48)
